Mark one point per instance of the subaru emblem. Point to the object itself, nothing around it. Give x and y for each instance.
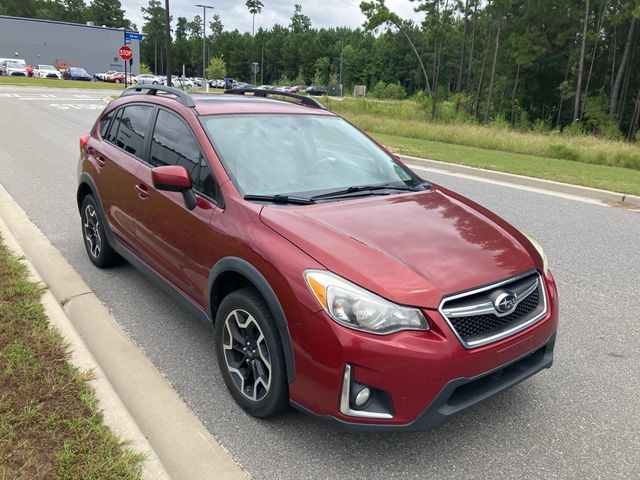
(505, 302)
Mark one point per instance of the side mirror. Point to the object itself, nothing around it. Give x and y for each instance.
(175, 178)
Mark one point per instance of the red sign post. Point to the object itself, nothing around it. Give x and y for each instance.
(125, 52)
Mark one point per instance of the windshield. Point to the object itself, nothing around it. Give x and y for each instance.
(77, 70)
(46, 67)
(299, 154)
(13, 65)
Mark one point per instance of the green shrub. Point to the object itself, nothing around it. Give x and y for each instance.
(541, 126)
(394, 91)
(563, 151)
(574, 129)
(500, 121)
(378, 90)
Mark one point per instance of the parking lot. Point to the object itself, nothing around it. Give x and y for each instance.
(578, 420)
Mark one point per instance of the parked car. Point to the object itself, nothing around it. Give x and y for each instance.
(313, 90)
(181, 82)
(119, 77)
(147, 78)
(47, 71)
(76, 73)
(104, 75)
(298, 88)
(12, 68)
(337, 279)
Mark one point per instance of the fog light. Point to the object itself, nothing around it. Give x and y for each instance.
(362, 397)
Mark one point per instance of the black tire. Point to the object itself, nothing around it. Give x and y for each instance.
(95, 241)
(250, 352)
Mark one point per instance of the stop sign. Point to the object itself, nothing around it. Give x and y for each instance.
(125, 52)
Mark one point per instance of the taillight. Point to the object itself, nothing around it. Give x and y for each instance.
(84, 139)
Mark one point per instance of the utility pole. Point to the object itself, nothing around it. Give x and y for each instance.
(204, 40)
(262, 67)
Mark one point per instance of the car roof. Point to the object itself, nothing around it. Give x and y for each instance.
(217, 104)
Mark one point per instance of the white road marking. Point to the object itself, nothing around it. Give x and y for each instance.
(77, 106)
(542, 191)
(63, 99)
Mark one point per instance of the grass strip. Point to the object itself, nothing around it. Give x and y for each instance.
(616, 179)
(50, 427)
(407, 119)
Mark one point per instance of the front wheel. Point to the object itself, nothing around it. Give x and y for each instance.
(250, 355)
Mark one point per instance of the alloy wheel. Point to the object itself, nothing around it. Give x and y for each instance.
(247, 355)
(92, 231)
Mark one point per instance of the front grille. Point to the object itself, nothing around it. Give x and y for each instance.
(474, 318)
(481, 324)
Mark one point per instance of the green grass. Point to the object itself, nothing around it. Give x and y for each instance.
(52, 82)
(50, 427)
(598, 176)
(407, 119)
(576, 159)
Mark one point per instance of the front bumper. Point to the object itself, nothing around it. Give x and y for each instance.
(428, 376)
(459, 394)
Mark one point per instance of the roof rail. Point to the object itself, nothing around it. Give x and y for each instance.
(258, 92)
(181, 96)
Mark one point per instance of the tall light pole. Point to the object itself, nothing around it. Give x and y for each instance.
(204, 39)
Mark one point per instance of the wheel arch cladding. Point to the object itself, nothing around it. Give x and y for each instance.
(242, 273)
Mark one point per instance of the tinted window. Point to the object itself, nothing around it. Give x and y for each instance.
(133, 126)
(205, 182)
(104, 124)
(112, 133)
(173, 143)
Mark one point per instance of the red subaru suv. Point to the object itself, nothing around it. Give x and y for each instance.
(337, 280)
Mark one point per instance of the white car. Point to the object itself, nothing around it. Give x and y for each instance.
(12, 68)
(181, 82)
(47, 71)
(104, 75)
(148, 79)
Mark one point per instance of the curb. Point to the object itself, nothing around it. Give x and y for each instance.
(594, 194)
(116, 416)
(138, 403)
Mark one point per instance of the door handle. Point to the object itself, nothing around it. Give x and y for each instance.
(143, 190)
(100, 161)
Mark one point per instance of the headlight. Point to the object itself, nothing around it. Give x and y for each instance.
(355, 307)
(540, 250)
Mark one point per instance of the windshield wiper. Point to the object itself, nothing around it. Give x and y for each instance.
(364, 189)
(281, 199)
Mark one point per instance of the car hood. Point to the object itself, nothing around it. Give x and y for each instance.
(412, 248)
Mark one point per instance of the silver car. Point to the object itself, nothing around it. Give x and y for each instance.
(148, 79)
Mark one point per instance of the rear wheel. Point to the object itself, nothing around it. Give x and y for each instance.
(95, 241)
(249, 351)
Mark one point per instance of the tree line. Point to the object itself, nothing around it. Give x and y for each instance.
(569, 64)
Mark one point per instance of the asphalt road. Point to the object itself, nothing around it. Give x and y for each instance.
(581, 419)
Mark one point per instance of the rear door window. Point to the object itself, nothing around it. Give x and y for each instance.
(112, 133)
(105, 124)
